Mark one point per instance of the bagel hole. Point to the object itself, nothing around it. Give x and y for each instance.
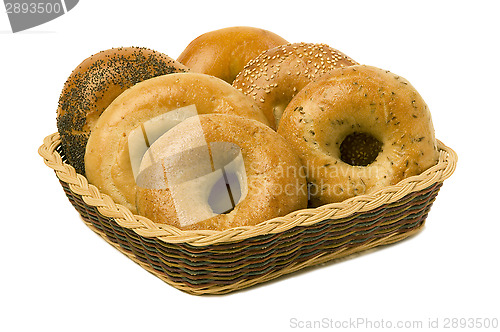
(225, 193)
(359, 149)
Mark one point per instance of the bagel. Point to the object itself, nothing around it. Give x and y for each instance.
(94, 84)
(266, 179)
(159, 102)
(358, 129)
(223, 53)
(278, 74)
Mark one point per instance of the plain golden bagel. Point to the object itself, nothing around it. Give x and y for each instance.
(358, 129)
(223, 53)
(278, 74)
(271, 187)
(108, 161)
(94, 84)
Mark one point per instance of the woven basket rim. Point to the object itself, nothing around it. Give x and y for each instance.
(147, 228)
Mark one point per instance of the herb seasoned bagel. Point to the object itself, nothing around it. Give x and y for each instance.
(223, 53)
(278, 74)
(358, 129)
(207, 159)
(144, 112)
(94, 84)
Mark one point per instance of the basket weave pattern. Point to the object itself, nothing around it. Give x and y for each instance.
(217, 262)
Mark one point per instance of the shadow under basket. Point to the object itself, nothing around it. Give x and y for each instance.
(218, 262)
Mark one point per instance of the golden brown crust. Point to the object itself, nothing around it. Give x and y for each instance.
(359, 99)
(94, 84)
(275, 184)
(107, 159)
(223, 53)
(277, 75)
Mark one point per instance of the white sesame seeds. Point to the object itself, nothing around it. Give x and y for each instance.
(302, 63)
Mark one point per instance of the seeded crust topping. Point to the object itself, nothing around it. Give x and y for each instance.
(92, 87)
(294, 65)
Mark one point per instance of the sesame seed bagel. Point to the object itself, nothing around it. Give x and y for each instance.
(277, 75)
(94, 84)
(108, 162)
(358, 129)
(223, 53)
(269, 183)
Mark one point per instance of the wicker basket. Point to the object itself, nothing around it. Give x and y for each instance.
(217, 262)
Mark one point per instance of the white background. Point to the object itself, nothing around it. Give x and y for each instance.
(57, 275)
